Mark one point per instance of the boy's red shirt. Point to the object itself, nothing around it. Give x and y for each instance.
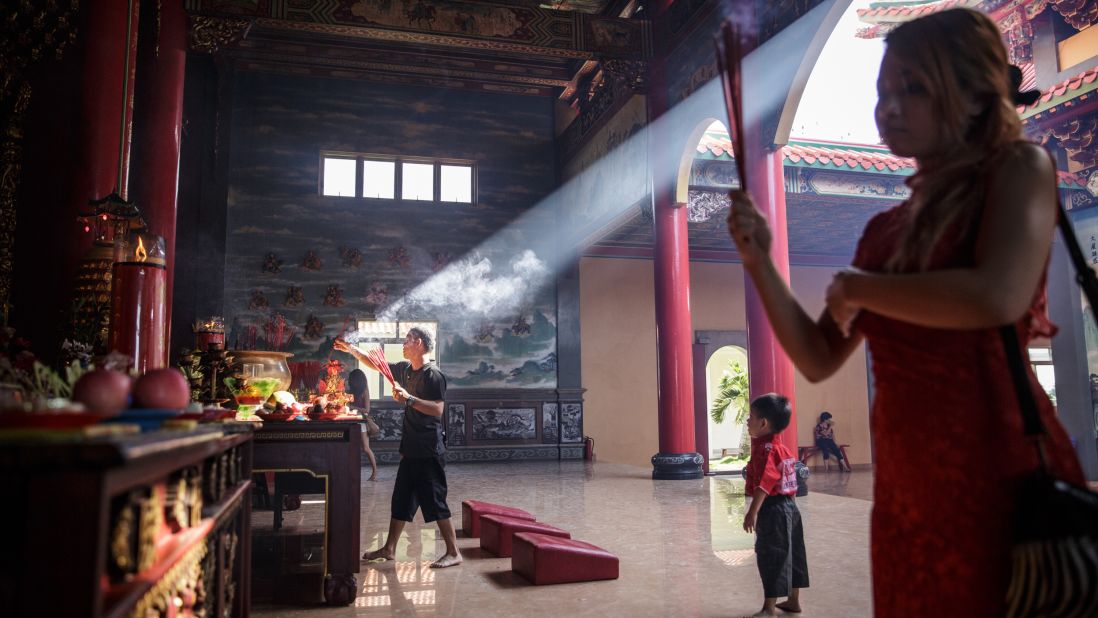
(772, 468)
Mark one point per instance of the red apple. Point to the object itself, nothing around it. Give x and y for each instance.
(161, 389)
(103, 391)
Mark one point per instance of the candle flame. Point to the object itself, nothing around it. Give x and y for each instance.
(140, 252)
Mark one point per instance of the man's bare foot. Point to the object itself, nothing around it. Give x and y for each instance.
(789, 606)
(764, 612)
(446, 560)
(373, 477)
(377, 554)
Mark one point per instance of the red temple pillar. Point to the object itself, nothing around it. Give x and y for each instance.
(106, 105)
(769, 368)
(677, 458)
(159, 113)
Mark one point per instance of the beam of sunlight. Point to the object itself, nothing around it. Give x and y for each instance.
(507, 271)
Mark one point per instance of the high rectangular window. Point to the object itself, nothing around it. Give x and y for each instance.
(382, 177)
(339, 176)
(456, 183)
(417, 181)
(379, 179)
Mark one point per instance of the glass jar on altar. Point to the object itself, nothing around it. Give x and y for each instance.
(269, 364)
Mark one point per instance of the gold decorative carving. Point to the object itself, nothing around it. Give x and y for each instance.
(152, 518)
(194, 496)
(300, 436)
(179, 585)
(212, 34)
(631, 73)
(121, 543)
(176, 504)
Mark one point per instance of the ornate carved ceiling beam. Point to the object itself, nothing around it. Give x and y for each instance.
(343, 59)
(212, 34)
(488, 28)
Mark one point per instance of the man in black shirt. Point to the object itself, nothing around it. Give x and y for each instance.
(421, 477)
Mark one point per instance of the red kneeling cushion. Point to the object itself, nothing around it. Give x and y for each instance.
(471, 510)
(545, 559)
(496, 532)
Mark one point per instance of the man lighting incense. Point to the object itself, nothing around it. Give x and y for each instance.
(421, 477)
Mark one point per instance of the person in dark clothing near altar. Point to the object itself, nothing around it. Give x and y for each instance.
(421, 477)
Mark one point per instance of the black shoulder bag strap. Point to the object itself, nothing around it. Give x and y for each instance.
(1088, 281)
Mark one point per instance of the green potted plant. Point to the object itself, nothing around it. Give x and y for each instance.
(733, 396)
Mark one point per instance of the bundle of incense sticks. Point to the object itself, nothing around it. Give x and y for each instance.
(377, 357)
(729, 65)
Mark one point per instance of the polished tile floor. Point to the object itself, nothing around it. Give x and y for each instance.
(682, 547)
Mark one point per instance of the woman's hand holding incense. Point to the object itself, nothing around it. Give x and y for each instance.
(749, 230)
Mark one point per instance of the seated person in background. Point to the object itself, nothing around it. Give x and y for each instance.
(825, 441)
(358, 388)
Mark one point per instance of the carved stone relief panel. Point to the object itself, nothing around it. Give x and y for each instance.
(549, 423)
(504, 424)
(455, 425)
(571, 422)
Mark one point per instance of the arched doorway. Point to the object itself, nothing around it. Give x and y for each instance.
(726, 384)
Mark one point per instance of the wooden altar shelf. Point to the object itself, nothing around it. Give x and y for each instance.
(155, 524)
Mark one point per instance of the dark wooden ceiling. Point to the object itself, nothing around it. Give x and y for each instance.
(530, 47)
(594, 7)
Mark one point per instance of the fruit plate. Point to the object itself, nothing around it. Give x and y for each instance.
(61, 418)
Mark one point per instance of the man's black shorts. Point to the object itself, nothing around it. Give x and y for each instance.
(420, 484)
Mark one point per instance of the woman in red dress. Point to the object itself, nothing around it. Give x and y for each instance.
(932, 281)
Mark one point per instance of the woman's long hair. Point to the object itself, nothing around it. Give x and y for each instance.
(959, 57)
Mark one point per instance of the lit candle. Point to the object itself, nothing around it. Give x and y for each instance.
(139, 302)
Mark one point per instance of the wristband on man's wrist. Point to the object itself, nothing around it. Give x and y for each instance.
(411, 401)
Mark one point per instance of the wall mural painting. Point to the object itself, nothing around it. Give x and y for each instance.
(481, 271)
(881, 186)
(549, 423)
(713, 174)
(614, 36)
(504, 424)
(607, 175)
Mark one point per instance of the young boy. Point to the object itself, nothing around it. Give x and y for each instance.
(773, 514)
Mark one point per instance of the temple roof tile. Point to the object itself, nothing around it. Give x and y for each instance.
(852, 157)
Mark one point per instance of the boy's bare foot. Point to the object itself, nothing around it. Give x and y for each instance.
(446, 560)
(792, 607)
(765, 612)
(373, 477)
(377, 554)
